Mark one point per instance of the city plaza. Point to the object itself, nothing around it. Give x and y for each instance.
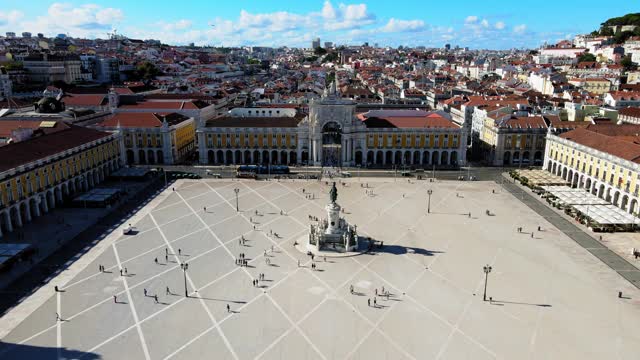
(547, 297)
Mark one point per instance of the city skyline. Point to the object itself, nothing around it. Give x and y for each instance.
(498, 25)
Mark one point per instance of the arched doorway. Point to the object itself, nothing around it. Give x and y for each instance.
(537, 158)
(219, 157)
(370, 158)
(130, 157)
(397, 159)
(284, 157)
(305, 157)
(228, 157)
(247, 157)
(406, 159)
(379, 157)
(238, 157)
(434, 158)
(141, 157)
(359, 158)
(274, 157)
(151, 157)
(265, 157)
(506, 159)
(293, 157)
(211, 157)
(331, 144)
(256, 157)
(444, 158)
(454, 158)
(425, 158)
(388, 158)
(159, 157)
(416, 157)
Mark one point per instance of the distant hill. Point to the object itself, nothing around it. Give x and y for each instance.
(629, 19)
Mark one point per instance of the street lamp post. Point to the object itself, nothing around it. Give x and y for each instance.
(429, 192)
(236, 190)
(487, 270)
(184, 268)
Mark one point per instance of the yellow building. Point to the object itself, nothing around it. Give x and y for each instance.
(53, 164)
(603, 159)
(153, 138)
(598, 86)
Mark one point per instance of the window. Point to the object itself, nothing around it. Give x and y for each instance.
(370, 141)
(219, 142)
(436, 140)
(20, 191)
(9, 192)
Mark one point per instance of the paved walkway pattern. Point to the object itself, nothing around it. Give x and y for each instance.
(610, 258)
(551, 298)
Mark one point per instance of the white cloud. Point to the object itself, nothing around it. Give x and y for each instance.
(87, 20)
(396, 25)
(499, 25)
(178, 25)
(276, 21)
(520, 29)
(328, 12)
(471, 19)
(484, 23)
(10, 17)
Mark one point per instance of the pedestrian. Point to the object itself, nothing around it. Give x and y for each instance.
(538, 228)
(57, 317)
(115, 299)
(351, 289)
(375, 303)
(368, 302)
(532, 234)
(228, 308)
(120, 272)
(156, 260)
(56, 288)
(167, 292)
(179, 251)
(325, 259)
(280, 212)
(173, 189)
(205, 209)
(376, 292)
(166, 258)
(125, 271)
(155, 298)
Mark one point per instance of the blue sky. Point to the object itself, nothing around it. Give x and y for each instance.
(477, 24)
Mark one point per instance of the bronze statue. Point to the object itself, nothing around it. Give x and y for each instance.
(333, 193)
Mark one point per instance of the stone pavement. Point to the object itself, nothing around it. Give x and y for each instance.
(550, 297)
(576, 233)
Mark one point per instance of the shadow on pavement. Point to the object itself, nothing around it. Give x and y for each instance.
(21, 351)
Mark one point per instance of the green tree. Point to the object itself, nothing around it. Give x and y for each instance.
(627, 64)
(147, 71)
(586, 57)
(319, 51)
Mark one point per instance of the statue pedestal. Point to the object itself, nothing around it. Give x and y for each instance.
(333, 219)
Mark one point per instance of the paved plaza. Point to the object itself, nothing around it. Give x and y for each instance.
(552, 299)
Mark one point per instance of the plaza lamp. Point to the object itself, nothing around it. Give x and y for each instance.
(487, 270)
(429, 192)
(184, 268)
(236, 190)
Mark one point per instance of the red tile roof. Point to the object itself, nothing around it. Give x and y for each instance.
(614, 145)
(20, 153)
(405, 119)
(85, 100)
(7, 126)
(141, 120)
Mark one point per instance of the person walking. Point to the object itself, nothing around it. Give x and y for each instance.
(167, 292)
(166, 251)
(155, 298)
(125, 271)
(166, 258)
(120, 272)
(115, 299)
(228, 308)
(156, 260)
(57, 317)
(145, 292)
(351, 289)
(179, 251)
(369, 302)
(375, 302)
